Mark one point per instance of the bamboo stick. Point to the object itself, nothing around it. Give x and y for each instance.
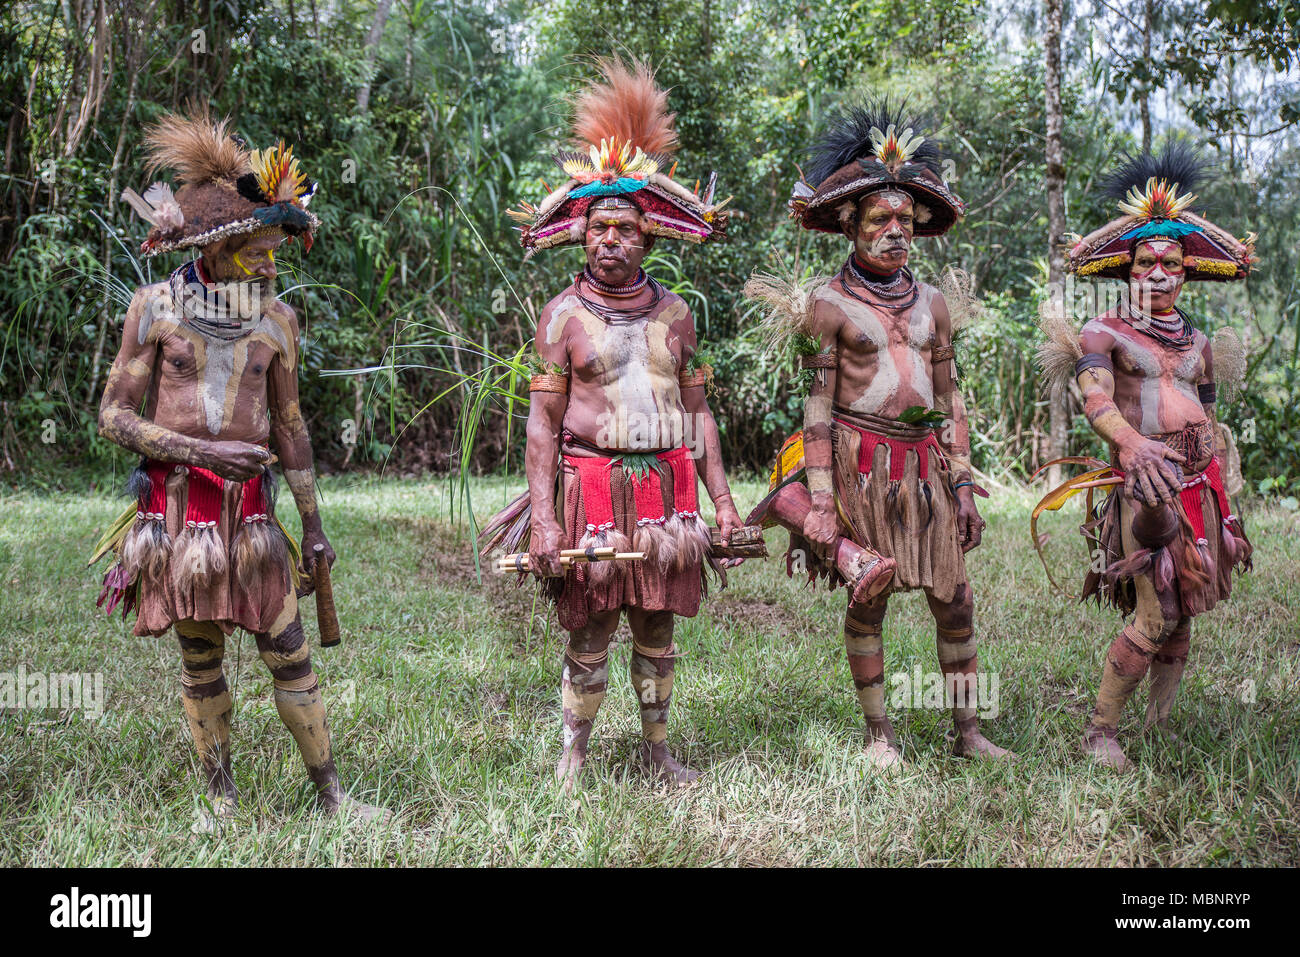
(519, 561)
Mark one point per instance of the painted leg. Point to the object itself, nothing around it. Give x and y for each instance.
(1131, 652)
(651, 670)
(207, 704)
(1126, 662)
(867, 572)
(582, 688)
(959, 662)
(298, 700)
(863, 642)
(1166, 674)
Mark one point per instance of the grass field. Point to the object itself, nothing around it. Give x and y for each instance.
(444, 702)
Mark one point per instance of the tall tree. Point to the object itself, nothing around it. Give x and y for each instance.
(372, 50)
(1058, 422)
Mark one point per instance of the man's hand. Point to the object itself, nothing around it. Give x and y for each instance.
(312, 537)
(544, 550)
(728, 522)
(970, 527)
(821, 528)
(236, 461)
(1148, 474)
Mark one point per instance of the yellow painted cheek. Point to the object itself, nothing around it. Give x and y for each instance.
(256, 261)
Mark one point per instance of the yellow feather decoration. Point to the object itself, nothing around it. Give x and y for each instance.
(277, 173)
(1160, 200)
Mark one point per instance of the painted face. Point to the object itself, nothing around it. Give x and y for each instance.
(884, 233)
(1156, 277)
(615, 245)
(249, 260)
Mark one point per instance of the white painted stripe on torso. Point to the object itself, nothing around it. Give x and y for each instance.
(1149, 365)
(920, 331)
(884, 385)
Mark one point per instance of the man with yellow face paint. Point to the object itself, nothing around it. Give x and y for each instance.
(257, 253)
(211, 355)
(1166, 540)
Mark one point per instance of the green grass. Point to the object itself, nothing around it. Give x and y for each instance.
(444, 702)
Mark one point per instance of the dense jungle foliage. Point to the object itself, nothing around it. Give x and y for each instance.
(423, 120)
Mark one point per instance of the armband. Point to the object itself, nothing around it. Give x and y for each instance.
(819, 360)
(549, 383)
(1093, 360)
(942, 353)
(694, 378)
(1205, 392)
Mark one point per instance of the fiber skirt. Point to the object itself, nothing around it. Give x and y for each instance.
(201, 548)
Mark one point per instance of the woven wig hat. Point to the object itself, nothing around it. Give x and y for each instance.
(867, 149)
(224, 189)
(625, 138)
(1155, 198)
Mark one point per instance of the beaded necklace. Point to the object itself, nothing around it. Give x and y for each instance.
(1174, 331)
(612, 315)
(898, 292)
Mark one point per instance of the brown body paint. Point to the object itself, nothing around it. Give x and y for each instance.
(1151, 393)
(884, 366)
(624, 395)
(217, 405)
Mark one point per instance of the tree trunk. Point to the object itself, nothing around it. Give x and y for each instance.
(1144, 101)
(372, 50)
(1058, 430)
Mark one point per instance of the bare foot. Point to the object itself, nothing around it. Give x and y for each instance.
(569, 768)
(212, 820)
(883, 756)
(659, 761)
(333, 800)
(972, 744)
(1167, 734)
(1105, 749)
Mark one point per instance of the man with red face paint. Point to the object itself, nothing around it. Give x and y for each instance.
(618, 417)
(881, 498)
(1166, 541)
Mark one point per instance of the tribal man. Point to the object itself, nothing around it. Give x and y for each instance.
(618, 416)
(1166, 540)
(878, 484)
(210, 355)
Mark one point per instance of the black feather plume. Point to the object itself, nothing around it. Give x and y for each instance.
(270, 488)
(138, 483)
(1178, 162)
(248, 188)
(847, 137)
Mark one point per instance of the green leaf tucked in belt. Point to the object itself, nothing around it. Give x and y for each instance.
(638, 464)
(920, 415)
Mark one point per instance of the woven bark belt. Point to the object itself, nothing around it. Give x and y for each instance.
(881, 425)
(1194, 443)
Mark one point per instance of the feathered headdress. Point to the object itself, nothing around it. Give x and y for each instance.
(865, 149)
(223, 189)
(625, 137)
(1155, 193)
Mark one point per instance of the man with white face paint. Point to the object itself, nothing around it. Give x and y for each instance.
(618, 417)
(1166, 541)
(877, 491)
